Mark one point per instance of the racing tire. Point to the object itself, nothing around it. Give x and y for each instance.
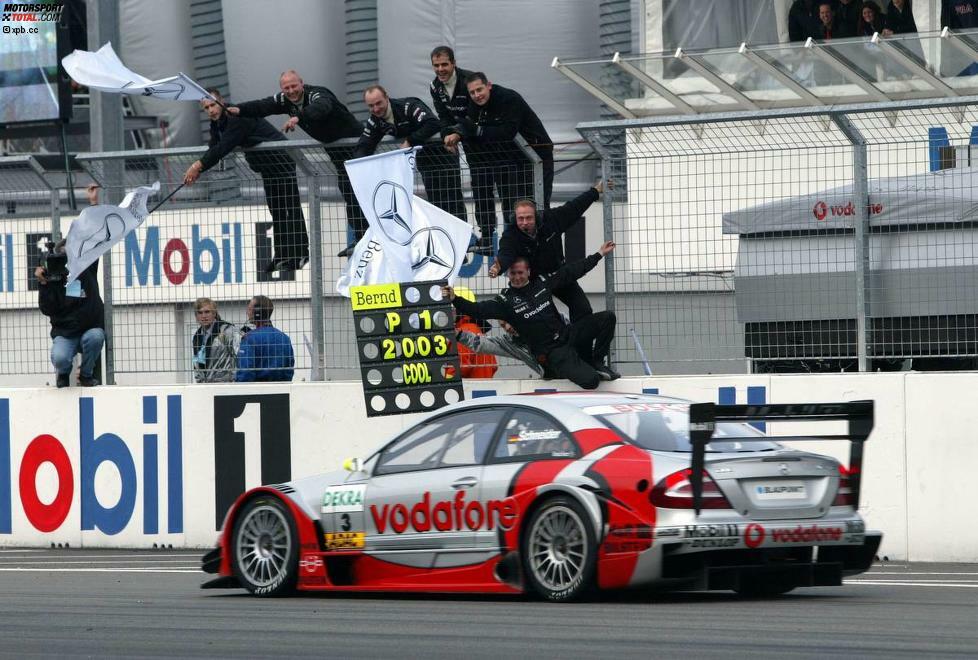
(764, 589)
(559, 550)
(264, 548)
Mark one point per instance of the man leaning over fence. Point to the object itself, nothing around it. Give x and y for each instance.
(266, 353)
(277, 171)
(318, 112)
(538, 236)
(450, 99)
(215, 345)
(411, 121)
(496, 115)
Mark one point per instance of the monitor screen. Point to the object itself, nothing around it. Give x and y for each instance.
(29, 73)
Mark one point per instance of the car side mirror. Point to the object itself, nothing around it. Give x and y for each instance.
(353, 465)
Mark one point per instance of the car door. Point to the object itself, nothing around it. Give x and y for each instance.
(422, 498)
(526, 436)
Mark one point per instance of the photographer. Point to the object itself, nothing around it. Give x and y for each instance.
(76, 313)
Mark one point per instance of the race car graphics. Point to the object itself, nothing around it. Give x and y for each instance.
(343, 499)
(344, 540)
(445, 516)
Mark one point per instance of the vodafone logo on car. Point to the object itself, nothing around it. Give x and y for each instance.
(445, 516)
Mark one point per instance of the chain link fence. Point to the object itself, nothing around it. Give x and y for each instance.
(818, 239)
(270, 221)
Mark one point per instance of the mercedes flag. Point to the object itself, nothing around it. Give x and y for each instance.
(103, 70)
(98, 228)
(409, 239)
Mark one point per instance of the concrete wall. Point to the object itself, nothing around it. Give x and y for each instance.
(130, 467)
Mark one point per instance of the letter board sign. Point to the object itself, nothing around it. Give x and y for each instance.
(406, 346)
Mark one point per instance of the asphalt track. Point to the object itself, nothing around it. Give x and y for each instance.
(121, 603)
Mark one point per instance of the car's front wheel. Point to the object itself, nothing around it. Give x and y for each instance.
(559, 550)
(265, 548)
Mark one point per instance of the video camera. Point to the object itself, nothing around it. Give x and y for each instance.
(55, 265)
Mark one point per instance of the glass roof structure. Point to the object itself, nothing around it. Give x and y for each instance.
(814, 73)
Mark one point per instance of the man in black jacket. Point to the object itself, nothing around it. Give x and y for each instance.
(77, 320)
(496, 115)
(277, 170)
(411, 121)
(538, 237)
(318, 112)
(577, 351)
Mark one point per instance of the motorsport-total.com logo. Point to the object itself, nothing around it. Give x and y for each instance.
(32, 12)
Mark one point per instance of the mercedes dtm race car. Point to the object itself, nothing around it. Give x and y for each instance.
(561, 493)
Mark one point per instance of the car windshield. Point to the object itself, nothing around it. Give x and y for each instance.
(665, 427)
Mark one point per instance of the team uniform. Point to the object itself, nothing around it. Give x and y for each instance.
(574, 351)
(545, 250)
(277, 171)
(324, 118)
(410, 119)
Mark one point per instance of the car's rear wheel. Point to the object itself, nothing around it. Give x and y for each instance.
(559, 550)
(264, 548)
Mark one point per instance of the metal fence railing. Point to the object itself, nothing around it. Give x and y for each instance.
(217, 238)
(815, 239)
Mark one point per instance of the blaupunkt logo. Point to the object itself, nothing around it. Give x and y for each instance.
(392, 206)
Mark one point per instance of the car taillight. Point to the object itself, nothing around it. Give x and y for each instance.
(843, 496)
(676, 492)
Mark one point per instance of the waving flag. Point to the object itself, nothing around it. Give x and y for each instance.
(417, 240)
(103, 70)
(98, 228)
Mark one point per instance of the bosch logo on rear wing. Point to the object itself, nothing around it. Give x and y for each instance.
(704, 416)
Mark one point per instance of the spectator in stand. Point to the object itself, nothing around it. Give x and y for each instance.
(410, 120)
(803, 20)
(846, 14)
(215, 345)
(899, 18)
(266, 352)
(870, 21)
(277, 170)
(538, 236)
(826, 22)
(959, 14)
(475, 363)
(451, 101)
(496, 115)
(318, 112)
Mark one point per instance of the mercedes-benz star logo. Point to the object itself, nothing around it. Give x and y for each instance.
(783, 468)
(392, 206)
(432, 251)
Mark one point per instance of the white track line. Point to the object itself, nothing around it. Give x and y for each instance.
(145, 555)
(149, 569)
(962, 585)
(91, 561)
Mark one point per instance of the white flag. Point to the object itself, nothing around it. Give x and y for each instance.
(103, 70)
(100, 227)
(438, 244)
(384, 186)
(367, 265)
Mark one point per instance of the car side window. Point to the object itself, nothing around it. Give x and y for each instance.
(417, 450)
(472, 436)
(458, 439)
(530, 435)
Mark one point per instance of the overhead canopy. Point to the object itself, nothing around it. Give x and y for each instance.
(946, 196)
(856, 70)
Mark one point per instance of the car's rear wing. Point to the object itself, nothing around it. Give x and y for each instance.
(703, 418)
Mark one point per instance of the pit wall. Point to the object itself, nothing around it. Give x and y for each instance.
(138, 467)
